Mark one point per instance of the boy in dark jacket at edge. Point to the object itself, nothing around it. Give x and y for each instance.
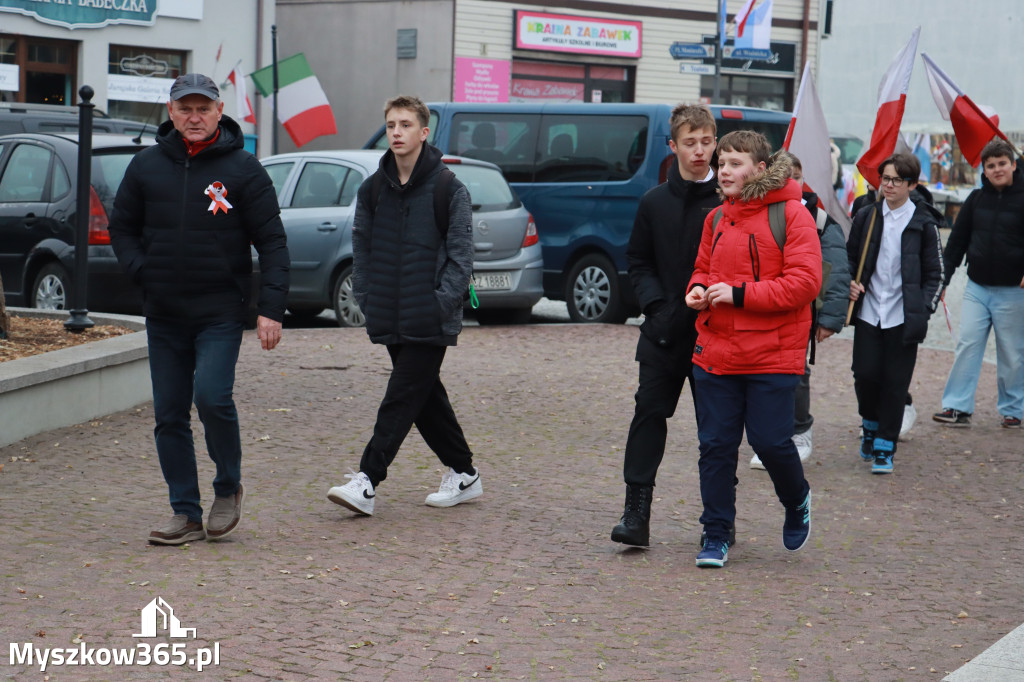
(754, 322)
(898, 291)
(409, 277)
(662, 248)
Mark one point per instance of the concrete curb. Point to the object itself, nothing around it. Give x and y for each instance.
(1001, 662)
(73, 385)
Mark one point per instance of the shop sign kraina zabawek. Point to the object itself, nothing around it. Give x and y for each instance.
(85, 13)
(579, 35)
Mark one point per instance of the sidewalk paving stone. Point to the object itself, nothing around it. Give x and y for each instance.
(905, 577)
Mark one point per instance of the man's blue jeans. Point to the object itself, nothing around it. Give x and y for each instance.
(763, 405)
(195, 362)
(984, 308)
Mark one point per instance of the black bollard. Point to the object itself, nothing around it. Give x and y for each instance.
(79, 320)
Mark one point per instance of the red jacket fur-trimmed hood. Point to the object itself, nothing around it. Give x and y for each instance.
(769, 332)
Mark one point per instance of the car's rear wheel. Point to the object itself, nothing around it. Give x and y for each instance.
(50, 290)
(345, 307)
(504, 315)
(593, 293)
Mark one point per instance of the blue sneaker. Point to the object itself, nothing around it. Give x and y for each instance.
(883, 451)
(868, 430)
(714, 554)
(797, 526)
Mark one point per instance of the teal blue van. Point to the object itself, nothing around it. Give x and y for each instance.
(580, 169)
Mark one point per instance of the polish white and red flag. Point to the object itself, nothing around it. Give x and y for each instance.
(808, 140)
(741, 17)
(892, 100)
(242, 103)
(973, 125)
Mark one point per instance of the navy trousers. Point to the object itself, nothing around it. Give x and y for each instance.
(763, 405)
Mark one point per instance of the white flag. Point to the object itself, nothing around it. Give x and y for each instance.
(242, 103)
(808, 140)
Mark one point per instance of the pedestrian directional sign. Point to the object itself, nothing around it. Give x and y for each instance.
(702, 69)
(691, 50)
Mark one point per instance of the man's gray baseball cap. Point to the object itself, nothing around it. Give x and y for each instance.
(194, 84)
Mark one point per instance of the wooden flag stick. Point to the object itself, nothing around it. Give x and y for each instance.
(863, 257)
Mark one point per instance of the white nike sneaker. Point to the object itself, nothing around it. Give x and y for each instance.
(909, 417)
(358, 494)
(455, 489)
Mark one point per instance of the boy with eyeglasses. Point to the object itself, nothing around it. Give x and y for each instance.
(897, 243)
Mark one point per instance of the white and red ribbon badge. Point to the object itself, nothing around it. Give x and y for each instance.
(218, 193)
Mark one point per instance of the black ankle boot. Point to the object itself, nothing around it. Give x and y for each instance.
(635, 526)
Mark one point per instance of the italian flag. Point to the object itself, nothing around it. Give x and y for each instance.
(304, 110)
(892, 100)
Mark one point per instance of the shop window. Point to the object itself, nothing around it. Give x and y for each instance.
(561, 82)
(133, 61)
(775, 94)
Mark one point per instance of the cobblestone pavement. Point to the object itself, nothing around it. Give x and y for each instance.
(906, 576)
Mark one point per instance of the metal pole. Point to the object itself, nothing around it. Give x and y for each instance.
(273, 56)
(720, 44)
(79, 319)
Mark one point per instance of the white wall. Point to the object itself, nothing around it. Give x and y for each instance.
(978, 44)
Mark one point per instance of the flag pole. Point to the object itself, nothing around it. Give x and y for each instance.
(717, 97)
(863, 257)
(273, 56)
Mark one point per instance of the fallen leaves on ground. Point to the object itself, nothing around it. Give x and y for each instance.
(35, 335)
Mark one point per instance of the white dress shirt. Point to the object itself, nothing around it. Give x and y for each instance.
(883, 300)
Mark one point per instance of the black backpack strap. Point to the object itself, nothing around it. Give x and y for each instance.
(376, 185)
(442, 199)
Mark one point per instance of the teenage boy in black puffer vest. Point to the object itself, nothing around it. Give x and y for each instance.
(409, 277)
(662, 248)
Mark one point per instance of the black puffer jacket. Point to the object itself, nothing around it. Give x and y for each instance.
(920, 263)
(990, 230)
(662, 248)
(194, 263)
(408, 278)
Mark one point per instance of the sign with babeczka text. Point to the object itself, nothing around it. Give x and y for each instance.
(85, 13)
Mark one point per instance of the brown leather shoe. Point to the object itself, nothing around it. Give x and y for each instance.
(225, 514)
(178, 531)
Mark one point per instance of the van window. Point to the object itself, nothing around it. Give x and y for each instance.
(382, 141)
(590, 148)
(775, 132)
(508, 140)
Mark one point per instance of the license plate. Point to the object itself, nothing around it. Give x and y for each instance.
(492, 280)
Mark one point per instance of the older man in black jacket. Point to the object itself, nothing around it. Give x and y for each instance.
(409, 277)
(662, 249)
(183, 219)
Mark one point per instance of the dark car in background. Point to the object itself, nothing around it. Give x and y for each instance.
(38, 215)
(317, 193)
(16, 117)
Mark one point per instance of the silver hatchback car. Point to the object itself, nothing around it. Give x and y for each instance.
(317, 192)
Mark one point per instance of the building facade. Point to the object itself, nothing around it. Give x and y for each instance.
(578, 50)
(129, 51)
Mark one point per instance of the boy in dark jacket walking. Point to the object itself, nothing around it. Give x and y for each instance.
(409, 277)
(990, 230)
(897, 241)
(662, 249)
(754, 300)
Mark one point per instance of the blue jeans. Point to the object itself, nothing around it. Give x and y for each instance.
(1001, 309)
(195, 362)
(763, 404)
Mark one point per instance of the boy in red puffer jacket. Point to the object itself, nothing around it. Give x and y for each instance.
(754, 300)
